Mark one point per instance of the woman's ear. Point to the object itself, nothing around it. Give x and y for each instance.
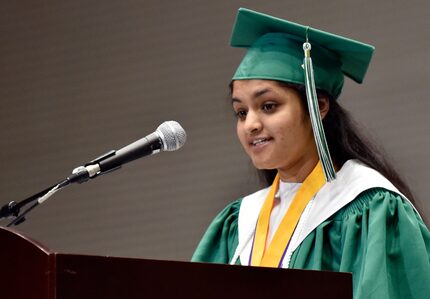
(324, 106)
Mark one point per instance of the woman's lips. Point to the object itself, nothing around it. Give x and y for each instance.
(258, 143)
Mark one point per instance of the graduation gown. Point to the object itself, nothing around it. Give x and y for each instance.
(377, 235)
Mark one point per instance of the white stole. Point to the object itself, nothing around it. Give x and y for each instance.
(351, 180)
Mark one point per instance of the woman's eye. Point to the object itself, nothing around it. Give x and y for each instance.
(268, 107)
(241, 114)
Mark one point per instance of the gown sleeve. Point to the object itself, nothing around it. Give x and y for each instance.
(221, 238)
(378, 237)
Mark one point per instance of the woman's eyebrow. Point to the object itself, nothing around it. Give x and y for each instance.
(235, 100)
(255, 95)
(261, 92)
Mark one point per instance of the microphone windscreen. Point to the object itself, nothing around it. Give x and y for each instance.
(172, 135)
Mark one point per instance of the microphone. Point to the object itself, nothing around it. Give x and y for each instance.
(169, 136)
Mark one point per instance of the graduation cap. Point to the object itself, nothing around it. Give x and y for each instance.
(281, 50)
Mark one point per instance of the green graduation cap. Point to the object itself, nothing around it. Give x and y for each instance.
(275, 52)
(281, 50)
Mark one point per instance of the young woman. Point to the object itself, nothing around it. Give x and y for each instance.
(339, 208)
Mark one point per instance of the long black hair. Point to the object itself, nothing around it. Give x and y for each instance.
(346, 141)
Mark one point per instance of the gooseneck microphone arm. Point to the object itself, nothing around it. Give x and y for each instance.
(12, 209)
(169, 136)
(37, 199)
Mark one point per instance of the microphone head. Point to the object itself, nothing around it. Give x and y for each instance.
(172, 135)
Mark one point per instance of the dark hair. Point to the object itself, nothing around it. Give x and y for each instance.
(345, 141)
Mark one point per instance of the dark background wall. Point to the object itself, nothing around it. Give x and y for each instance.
(78, 78)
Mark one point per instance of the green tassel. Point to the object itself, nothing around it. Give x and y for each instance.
(314, 113)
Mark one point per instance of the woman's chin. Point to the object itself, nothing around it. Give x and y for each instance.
(263, 165)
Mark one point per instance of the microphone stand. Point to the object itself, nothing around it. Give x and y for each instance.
(13, 209)
(79, 175)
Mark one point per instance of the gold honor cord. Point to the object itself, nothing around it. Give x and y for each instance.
(263, 225)
(274, 253)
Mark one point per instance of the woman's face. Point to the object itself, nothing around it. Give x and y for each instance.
(273, 127)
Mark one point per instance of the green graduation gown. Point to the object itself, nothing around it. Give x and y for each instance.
(378, 237)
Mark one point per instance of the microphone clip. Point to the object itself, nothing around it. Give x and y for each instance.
(101, 158)
(90, 170)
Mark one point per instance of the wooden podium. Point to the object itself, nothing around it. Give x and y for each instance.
(30, 270)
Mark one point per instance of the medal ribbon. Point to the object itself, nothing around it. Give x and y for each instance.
(275, 251)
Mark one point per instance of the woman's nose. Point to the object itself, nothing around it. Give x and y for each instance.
(252, 123)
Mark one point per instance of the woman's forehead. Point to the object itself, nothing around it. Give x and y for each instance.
(252, 88)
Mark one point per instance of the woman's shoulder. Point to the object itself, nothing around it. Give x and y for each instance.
(360, 188)
(229, 211)
(221, 237)
(229, 214)
(379, 202)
